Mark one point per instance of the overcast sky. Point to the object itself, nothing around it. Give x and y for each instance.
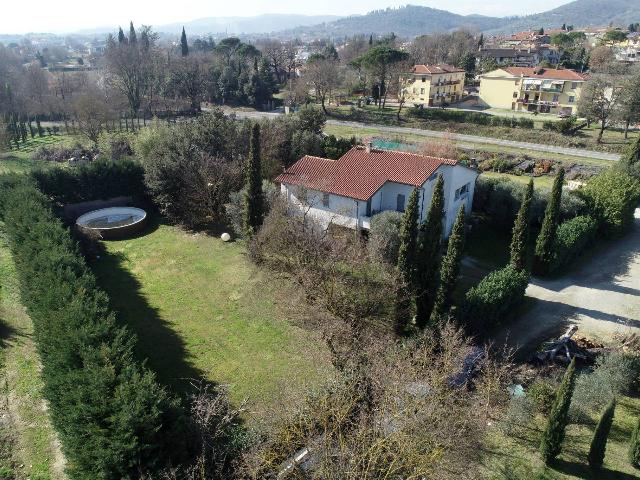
(72, 15)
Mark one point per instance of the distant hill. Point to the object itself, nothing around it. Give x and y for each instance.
(246, 25)
(580, 13)
(409, 21)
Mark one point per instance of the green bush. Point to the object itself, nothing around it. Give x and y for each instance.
(612, 197)
(234, 208)
(542, 392)
(572, 238)
(499, 199)
(113, 419)
(564, 126)
(487, 304)
(116, 145)
(384, 237)
(97, 180)
(614, 374)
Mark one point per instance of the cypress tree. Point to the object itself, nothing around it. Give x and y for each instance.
(449, 269)
(599, 440)
(634, 447)
(121, 37)
(427, 257)
(253, 198)
(406, 262)
(409, 239)
(546, 238)
(631, 159)
(39, 128)
(520, 236)
(553, 436)
(183, 44)
(133, 38)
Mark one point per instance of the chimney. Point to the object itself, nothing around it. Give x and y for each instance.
(368, 146)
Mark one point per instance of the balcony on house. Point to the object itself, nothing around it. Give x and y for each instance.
(555, 86)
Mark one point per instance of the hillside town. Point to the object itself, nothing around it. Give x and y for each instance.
(402, 244)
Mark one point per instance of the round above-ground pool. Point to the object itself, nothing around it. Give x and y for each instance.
(114, 222)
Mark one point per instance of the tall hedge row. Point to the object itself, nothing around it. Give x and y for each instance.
(112, 416)
(488, 303)
(98, 180)
(572, 238)
(477, 118)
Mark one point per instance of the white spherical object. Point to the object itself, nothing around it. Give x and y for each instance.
(225, 237)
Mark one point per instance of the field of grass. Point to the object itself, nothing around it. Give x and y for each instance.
(27, 437)
(613, 140)
(519, 452)
(20, 160)
(543, 182)
(200, 309)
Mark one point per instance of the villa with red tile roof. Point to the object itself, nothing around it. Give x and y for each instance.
(365, 181)
(542, 90)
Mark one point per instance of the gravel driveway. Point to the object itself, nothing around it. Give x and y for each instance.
(602, 297)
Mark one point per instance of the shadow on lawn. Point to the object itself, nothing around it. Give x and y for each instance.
(157, 342)
(581, 470)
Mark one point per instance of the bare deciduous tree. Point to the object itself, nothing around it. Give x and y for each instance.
(600, 100)
(92, 112)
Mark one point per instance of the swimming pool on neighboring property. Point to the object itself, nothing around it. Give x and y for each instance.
(114, 222)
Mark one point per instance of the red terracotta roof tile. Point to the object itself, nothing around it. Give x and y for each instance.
(548, 73)
(359, 174)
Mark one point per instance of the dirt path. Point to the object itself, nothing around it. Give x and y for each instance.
(602, 297)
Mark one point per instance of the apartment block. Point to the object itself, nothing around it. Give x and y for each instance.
(433, 85)
(540, 90)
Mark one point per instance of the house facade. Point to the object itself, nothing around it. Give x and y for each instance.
(433, 85)
(525, 89)
(510, 56)
(366, 181)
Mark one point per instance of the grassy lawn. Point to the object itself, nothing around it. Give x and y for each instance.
(29, 434)
(520, 451)
(20, 160)
(202, 310)
(543, 182)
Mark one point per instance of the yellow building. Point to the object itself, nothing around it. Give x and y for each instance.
(523, 89)
(433, 85)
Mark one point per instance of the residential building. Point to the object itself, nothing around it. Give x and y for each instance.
(543, 90)
(433, 85)
(510, 56)
(366, 181)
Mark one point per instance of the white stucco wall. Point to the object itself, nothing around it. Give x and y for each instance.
(341, 210)
(351, 213)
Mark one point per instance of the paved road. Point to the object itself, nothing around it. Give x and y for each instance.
(602, 298)
(458, 137)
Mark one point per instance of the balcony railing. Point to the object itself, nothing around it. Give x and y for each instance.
(525, 101)
(448, 82)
